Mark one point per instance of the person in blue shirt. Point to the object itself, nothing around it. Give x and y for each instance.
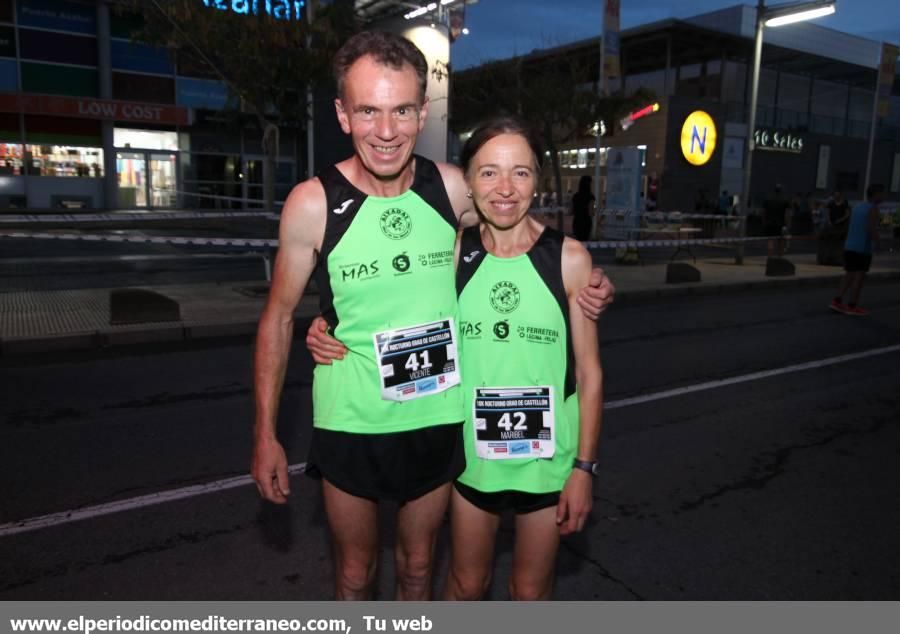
(862, 235)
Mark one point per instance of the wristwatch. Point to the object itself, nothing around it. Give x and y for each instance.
(591, 467)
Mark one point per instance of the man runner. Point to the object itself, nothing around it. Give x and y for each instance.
(378, 229)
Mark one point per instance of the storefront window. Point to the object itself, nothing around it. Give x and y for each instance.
(145, 139)
(10, 159)
(63, 160)
(582, 158)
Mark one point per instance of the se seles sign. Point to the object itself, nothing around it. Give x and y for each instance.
(698, 138)
(777, 141)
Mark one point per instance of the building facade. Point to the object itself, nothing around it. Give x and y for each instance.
(91, 118)
(815, 108)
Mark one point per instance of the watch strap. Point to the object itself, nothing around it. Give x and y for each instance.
(586, 465)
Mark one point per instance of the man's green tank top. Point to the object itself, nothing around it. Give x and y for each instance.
(385, 263)
(514, 332)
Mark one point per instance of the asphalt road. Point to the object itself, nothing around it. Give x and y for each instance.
(779, 487)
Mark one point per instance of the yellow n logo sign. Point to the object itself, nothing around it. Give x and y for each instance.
(695, 136)
(698, 138)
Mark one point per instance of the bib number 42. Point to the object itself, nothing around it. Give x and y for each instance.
(507, 424)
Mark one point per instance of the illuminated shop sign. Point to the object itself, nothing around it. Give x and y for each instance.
(86, 108)
(278, 9)
(698, 138)
(778, 141)
(628, 121)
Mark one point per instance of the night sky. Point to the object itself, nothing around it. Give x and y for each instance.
(503, 28)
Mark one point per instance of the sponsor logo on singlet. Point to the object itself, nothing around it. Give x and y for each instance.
(343, 207)
(470, 329)
(534, 334)
(395, 223)
(501, 330)
(505, 297)
(401, 263)
(437, 259)
(360, 271)
(471, 256)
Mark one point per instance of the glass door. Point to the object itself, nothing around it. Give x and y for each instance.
(252, 179)
(131, 172)
(163, 182)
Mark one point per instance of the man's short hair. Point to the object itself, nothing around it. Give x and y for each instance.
(873, 189)
(388, 49)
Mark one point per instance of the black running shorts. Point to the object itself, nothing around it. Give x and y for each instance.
(856, 262)
(518, 501)
(399, 466)
(772, 230)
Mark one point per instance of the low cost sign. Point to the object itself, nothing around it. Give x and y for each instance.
(698, 138)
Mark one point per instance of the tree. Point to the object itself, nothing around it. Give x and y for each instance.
(554, 92)
(268, 59)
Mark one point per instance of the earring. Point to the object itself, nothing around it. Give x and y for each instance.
(468, 194)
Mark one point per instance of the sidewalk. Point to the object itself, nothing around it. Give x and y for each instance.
(43, 321)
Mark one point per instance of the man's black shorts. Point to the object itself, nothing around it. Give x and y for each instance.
(518, 501)
(399, 466)
(856, 262)
(772, 230)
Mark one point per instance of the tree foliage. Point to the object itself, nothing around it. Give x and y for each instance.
(268, 64)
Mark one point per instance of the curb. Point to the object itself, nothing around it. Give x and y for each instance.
(737, 287)
(175, 332)
(100, 339)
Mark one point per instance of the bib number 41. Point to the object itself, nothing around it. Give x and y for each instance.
(417, 361)
(412, 363)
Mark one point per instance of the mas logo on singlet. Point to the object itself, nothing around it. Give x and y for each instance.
(396, 223)
(505, 297)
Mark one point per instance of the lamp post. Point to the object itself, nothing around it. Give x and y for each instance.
(770, 16)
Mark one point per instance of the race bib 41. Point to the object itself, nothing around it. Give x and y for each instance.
(417, 361)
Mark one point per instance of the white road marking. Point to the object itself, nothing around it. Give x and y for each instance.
(744, 378)
(55, 519)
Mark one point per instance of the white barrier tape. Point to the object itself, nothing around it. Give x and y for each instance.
(272, 244)
(252, 243)
(119, 217)
(636, 244)
(670, 215)
(233, 198)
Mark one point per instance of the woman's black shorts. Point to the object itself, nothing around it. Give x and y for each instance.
(856, 262)
(399, 466)
(518, 501)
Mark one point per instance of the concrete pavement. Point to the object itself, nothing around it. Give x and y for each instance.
(56, 320)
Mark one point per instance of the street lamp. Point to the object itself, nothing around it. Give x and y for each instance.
(771, 16)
